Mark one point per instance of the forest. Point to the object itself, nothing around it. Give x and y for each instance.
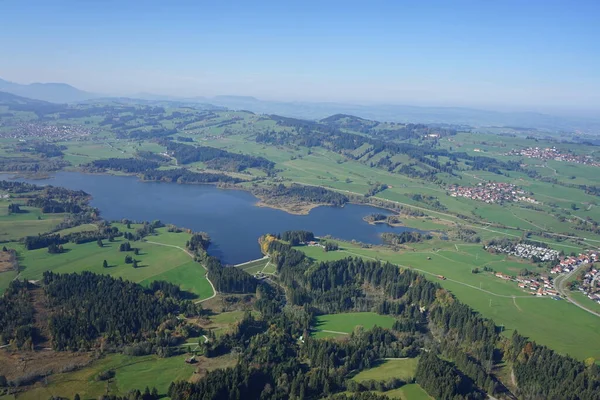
(86, 309)
(43, 148)
(404, 237)
(278, 357)
(130, 165)
(301, 194)
(182, 175)
(216, 158)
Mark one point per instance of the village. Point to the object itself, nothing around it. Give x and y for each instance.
(552, 153)
(27, 130)
(525, 250)
(491, 193)
(537, 286)
(544, 285)
(590, 280)
(590, 284)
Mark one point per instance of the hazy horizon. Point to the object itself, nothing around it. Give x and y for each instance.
(535, 56)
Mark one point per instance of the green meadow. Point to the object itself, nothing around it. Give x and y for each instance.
(554, 323)
(155, 261)
(345, 323)
(29, 222)
(256, 266)
(403, 369)
(131, 373)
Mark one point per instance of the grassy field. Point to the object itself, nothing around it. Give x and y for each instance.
(403, 369)
(156, 262)
(338, 324)
(131, 373)
(412, 391)
(255, 266)
(30, 222)
(577, 333)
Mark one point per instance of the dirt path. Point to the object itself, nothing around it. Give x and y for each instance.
(192, 256)
(515, 303)
(339, 333)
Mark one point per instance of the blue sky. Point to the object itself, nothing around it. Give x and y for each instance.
(526, 54)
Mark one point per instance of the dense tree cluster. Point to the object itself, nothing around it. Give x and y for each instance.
(19, 187)
(131, 165)
(542, 373)
(388, 131)
(41, 241)
(14, 208)
(54, 239)
(26, 164)
(361, 351)
(182, 175)
(431, 201)
(296, 237)
(60, 200)
(87, 306)
(337, 286)
(404, 237)
(44, 148)
(151, 156)
(216, 158)
(443, 381)
(16, 316)
(302, 194)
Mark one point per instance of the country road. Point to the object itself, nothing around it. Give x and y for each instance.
(560, 283)
(192, 256)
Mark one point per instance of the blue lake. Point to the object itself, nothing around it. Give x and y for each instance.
(230, 217)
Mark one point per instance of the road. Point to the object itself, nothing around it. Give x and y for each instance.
(191, 255)
(251, 261)
(560, 284)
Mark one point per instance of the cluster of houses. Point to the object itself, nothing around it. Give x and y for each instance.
(537, 286)
(313, 243)
(544, 285)
(552, 153)
(27, 130)
(590, 285)
(491, 192)
(569, 263)
(524, 250)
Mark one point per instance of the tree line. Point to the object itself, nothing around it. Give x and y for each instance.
(216, 158)
(301, 194)
(130, 165)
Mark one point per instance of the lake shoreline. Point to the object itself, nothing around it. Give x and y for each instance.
(261, 201)
(233, 219)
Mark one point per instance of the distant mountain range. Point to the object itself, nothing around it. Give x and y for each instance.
(64, 93)
(52, 92)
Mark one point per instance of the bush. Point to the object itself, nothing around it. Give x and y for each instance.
(106, 375)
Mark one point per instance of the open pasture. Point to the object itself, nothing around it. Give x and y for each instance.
(345, 323)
